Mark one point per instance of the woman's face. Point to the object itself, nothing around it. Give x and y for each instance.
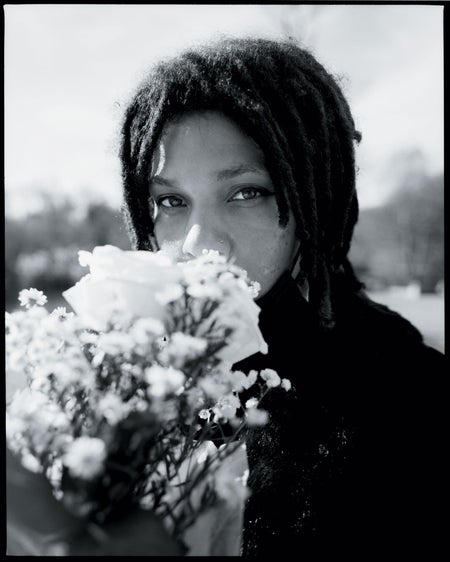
(211, 191)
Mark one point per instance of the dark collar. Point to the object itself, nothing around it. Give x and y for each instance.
(284, 303)
(285, 322)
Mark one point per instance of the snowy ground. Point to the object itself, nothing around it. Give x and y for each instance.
(426, 312)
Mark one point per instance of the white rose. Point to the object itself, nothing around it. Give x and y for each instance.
(110, 262)
(123, 281)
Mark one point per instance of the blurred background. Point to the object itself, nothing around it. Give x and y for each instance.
(70, 69)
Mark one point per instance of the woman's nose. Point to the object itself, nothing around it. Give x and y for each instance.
(201, 236)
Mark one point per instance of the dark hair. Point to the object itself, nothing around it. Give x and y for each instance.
(279, 95)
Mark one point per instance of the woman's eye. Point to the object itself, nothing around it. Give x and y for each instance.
(249, 193)
(171, 201)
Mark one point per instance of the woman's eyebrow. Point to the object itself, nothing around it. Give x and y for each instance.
(221, 175)
(239, 169)
(158, 180)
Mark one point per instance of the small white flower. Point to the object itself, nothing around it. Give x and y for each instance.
(241, 380)
(226, 407)
(145, 329)
(31, 297)
(271, 377)
(256, 417)
(55, 419)
(61, 313)
(204, 414)
(226, 277)
(213, 255)
(255, 289)
(251, 403)
(64, 373)
(115, 343)
(286, 384)
(14, 427)
(187, 345)
(112, 408)
(42, 350)
(26, 402)
(169, 294)
(85, 457)
(31, 463)
(136, 404)
(89, 338)
(210, 291)
(213, 386)
(182, 348)
(163, 381)
(194, 398)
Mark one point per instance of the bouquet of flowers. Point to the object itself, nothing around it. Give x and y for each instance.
(132, 400)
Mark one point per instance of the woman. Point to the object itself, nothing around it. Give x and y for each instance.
(247, 147)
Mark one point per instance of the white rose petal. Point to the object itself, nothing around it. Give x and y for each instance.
(241, 313)
(84, 258)
(121, 282)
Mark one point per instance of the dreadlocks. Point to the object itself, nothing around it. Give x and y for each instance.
(279, 95)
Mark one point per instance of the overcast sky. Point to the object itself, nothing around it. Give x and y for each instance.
(69, 69)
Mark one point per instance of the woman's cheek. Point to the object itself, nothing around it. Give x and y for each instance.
(276, 258)
(262, 263)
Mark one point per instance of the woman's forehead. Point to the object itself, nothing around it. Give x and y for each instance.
(207, 136)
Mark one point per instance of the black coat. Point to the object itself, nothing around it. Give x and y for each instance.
(352, 454)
